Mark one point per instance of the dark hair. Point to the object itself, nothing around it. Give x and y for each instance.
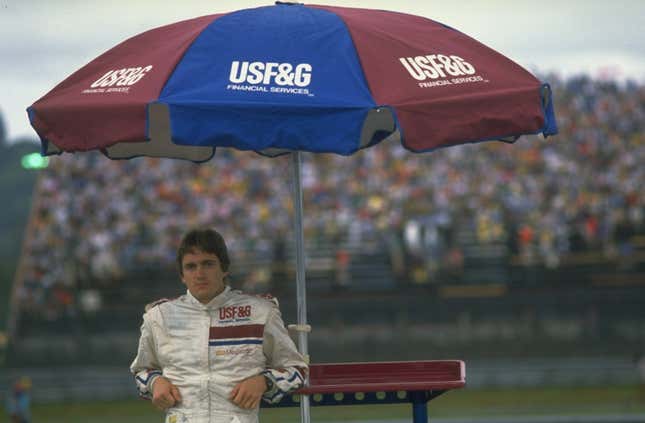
(207, 240)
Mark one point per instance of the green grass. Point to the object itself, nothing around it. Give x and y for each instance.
(458, 403)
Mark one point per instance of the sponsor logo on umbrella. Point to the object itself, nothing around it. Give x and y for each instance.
(118, 80)
(273, 77)
(439, 68)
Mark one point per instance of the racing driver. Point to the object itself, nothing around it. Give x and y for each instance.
(212, 354)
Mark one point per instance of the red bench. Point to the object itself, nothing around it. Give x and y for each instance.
(415, 382)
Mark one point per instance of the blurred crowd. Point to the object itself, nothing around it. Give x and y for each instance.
(97, 220)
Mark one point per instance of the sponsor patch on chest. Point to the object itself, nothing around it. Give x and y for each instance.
(235, 313)
(235, 350)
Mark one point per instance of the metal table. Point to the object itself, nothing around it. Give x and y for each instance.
(415, 382)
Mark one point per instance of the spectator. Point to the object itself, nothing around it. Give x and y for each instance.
(19, 401)
(99, 219)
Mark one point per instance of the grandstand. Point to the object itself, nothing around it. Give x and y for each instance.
(480, 252)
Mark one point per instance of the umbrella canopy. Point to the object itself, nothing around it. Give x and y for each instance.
(291, 77)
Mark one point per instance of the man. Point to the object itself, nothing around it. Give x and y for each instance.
(212, 354)
(19, 401)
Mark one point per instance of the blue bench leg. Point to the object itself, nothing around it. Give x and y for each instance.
(419, 407)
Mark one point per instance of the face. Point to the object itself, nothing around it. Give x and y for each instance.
(202, 275)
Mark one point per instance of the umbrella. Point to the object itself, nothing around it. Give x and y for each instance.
(291, 78)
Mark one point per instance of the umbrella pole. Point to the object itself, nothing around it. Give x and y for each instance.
(301, 292)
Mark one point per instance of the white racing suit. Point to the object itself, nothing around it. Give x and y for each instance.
(205, 350)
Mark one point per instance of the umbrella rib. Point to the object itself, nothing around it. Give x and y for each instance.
(462, 97)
